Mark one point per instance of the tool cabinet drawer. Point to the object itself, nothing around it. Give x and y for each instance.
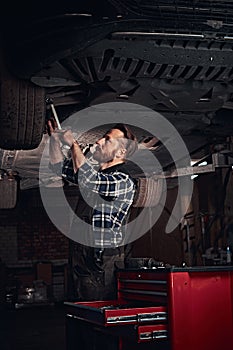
(110, 313)
(155, 332)
(143, 286)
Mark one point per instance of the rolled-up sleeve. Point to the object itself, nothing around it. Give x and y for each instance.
(65, 170)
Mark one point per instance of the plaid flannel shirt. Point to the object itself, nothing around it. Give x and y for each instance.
(113, 191)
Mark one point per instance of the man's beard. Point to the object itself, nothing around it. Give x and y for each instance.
(102, 157)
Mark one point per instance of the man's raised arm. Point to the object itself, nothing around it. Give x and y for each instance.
(66, 138)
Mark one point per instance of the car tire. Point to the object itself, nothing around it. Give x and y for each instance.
(22, 113)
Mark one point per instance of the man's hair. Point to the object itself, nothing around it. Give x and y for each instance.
(132, 145)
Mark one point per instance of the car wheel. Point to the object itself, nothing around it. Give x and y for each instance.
(22, 113)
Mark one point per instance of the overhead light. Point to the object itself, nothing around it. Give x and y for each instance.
(227, 37)
(202, 163)
(123, 96)
(195, 162)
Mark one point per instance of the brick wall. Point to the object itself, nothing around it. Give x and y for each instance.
(27, 234)
(8, 243)
(38, 239)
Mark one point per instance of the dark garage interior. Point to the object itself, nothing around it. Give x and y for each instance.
(165, 68)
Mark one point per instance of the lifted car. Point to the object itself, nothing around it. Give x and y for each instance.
(175, 57)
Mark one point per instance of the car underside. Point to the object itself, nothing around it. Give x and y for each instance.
(175, 57)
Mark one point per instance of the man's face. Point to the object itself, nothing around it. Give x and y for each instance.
(108, 146)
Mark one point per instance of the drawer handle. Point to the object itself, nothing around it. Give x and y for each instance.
(153, 335)
(159, 316)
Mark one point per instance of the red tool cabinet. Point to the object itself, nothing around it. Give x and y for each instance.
(163, 308)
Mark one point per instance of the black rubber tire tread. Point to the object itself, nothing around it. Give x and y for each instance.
(148, 192)
(22, 114)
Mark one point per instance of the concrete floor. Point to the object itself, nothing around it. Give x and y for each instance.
(33, 328)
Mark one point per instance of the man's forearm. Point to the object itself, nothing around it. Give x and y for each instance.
(78, 157)
(55, 153)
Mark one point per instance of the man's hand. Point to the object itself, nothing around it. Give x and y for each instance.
(64, 136)
(67, 138)
(56, 138)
